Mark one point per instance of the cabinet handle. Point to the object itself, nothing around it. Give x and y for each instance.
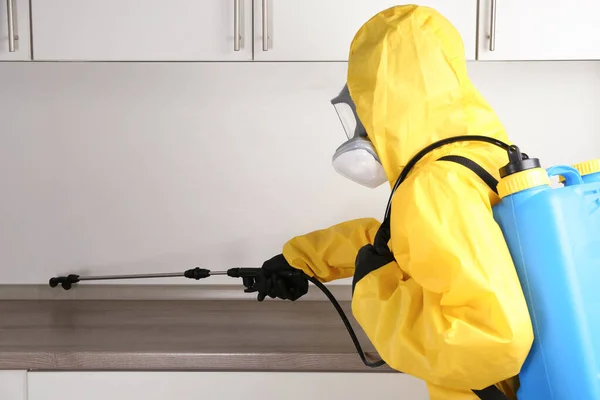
(265, 25)
(237, 38)
(493, 27)
(11, 25)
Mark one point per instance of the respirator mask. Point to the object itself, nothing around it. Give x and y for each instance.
(356, 159)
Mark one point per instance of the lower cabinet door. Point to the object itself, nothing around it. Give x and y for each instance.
(13, 385)
(223, 385)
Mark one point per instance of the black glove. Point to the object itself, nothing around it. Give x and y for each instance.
(278, 279)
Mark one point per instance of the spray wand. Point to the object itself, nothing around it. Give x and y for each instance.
(249, 278)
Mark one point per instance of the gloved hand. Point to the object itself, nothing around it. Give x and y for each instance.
(278, 279)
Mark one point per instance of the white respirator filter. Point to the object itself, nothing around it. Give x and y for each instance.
(357, 160)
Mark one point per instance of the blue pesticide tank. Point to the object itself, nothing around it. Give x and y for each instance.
(554, 238)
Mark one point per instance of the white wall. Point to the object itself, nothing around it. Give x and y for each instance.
(144, 167)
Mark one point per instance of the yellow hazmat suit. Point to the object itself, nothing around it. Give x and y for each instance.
(449, 309)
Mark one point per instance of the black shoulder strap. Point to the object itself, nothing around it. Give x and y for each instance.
(473, 166)
(383, 234)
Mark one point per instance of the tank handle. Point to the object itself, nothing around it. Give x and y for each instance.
(570, 174)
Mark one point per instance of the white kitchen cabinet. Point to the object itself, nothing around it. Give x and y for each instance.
(141, 30)
(539, 30)
(223, 386)
(16, 21)
(191, 30)
(317, 30)
(13, 385)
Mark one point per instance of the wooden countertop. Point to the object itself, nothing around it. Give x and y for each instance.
(178, 335)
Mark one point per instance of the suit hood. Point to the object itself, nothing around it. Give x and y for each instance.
(407, 76)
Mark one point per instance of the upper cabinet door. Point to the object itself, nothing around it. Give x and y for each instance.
(539, 30)
(14, 21)
(319, 30)
(142, 30)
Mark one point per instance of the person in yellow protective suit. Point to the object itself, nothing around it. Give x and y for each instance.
(445, 304)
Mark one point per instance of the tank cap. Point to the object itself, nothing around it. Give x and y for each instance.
(588, 167)
(518, 162)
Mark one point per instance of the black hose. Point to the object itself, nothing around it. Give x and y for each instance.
(346, 322)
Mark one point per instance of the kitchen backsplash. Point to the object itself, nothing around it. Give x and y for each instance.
(143, 167)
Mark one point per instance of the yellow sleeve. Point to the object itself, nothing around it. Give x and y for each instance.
(450, 309)
(330, 253)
